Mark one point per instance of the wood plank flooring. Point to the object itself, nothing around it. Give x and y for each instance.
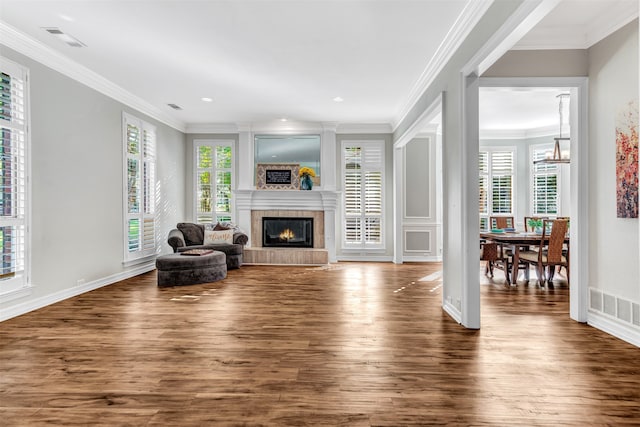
(355, 344)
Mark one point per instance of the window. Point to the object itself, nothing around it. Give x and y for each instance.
(496, 183)
(213, 181)
(363, 178)
(13, 177)
(139, 204)
(545, 184)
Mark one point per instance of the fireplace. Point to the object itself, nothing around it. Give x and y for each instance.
(286, 232)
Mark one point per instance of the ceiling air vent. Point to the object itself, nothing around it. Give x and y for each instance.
(66, 38)
(175, 107)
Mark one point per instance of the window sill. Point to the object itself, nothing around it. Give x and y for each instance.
(365, 249)
(16, 293)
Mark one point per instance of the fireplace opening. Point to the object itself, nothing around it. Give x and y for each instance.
(287, 232)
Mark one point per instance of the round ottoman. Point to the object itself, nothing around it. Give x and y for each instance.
(178, 270)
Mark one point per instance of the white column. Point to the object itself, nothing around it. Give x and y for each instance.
(398, 211)
(328, 158)
(245, 158)
(245, 174)
(329, 205)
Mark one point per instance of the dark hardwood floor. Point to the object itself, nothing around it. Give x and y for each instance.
(354, 344)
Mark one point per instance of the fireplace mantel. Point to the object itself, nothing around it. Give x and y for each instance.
(289, 200)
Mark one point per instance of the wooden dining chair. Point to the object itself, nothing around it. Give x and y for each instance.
(488, 253)
(549, 252)
(492, 253)
(501, 222)
(505, 251)
(565, 251)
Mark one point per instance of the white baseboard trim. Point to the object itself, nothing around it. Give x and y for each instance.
(364, 258)
(612, 326)
(35, 304)
(453, 312)
(411, 258)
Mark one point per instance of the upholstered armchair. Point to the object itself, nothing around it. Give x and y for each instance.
(230, 240)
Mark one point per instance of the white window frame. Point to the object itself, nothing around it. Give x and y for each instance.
(146, 192)
(213, 143)
(19, 284)
(551, 169)
(490, 174)
(363, 244)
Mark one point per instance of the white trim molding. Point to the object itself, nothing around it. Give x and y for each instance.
(363, 128)
(612, 326)
(452, 311)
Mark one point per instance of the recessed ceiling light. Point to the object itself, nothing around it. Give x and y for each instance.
(284, 119)
(66, 17)
(68, 39)
(205, 99)
(338, 99)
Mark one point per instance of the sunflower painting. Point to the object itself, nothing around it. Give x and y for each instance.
(627, 161)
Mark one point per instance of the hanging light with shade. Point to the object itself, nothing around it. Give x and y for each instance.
(558, 156)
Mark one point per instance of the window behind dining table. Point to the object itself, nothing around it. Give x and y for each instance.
(496, 183)
(544, 193)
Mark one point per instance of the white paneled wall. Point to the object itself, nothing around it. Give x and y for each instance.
(421, 218)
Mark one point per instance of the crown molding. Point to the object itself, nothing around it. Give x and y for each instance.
(364, 128)
(213, 128)
(38, 51)
(471, 14)
(290, 127)
(546, 131)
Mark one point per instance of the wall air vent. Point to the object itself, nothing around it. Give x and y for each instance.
(175, 106)
(66, 38)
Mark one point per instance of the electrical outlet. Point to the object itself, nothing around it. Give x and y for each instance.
(80, 282)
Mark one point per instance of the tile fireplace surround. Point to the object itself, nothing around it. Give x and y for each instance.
(252, 205)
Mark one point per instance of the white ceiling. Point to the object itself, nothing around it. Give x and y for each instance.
(264, 60)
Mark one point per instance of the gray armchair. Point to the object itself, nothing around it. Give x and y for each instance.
(188, 235)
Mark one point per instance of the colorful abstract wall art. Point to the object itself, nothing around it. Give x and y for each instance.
(627, 161)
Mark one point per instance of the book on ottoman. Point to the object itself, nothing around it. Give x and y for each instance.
(197, 252)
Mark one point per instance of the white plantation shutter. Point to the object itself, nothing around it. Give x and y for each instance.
(502, 182)
(545, 185)
(363, 196)
(496, 183)
(213, 181)
(140, 192)
(13, 183)
(149, 193)
(483, 183)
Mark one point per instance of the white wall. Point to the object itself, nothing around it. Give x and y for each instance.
(613, 82)
(421, 224)
(76, 187)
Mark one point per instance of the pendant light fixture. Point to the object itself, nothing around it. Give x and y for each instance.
(558, 156)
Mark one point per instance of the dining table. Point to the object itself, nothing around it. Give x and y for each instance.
(516, 240)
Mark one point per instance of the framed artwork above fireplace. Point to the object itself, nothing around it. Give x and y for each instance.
(277, 176)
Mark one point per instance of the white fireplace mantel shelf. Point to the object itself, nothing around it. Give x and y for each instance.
(312, 200)
(299, 200)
